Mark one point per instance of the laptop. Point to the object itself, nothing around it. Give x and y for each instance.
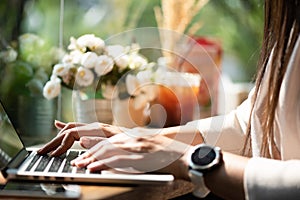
(20, 163)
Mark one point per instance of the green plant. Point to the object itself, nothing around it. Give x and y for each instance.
(26, 65)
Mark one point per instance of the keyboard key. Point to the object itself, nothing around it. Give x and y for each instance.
(33, 161)
(80, 170)
(67, 168)
(43, 163)
(71, 156)
(56, 164)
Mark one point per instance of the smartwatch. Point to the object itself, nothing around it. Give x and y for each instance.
(202, 158)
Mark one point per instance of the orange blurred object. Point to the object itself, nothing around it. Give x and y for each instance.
(204, 55)
(176, 103)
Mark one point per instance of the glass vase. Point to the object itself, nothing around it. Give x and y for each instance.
(35, 119)
(92, 110)
(125, 114)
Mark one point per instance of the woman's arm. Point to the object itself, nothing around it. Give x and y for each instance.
(272, 179)
(159, 153)
(255, 178)
(184, 133)
(227, 181)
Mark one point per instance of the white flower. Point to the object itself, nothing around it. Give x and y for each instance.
(135, 47)
(67, 58)
(146, 83)
(104, 65)
(91, 42)
(61, 69)
(122, 61)
(137, 61)
(132, 85)
(144, 76)
(84, 77)
(162, 61)
(110, 91)
(141, 88)
(89, 59)
(160, 74)
(74, 57)
(115, 51)
(73, 44)
(52, 88)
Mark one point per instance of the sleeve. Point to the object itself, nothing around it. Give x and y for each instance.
(227, 131)
(282, 182)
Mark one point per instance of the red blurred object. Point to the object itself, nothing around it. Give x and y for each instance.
(203, 55)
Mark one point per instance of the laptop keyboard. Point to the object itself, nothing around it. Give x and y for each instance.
(45, 163)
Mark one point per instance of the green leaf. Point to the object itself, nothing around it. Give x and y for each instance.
(23, 70)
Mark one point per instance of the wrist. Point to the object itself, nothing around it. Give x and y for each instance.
(184, 168)
(228, 175)
(186, 134)
(203, 159)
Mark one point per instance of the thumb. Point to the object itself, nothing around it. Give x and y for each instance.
(89, 142)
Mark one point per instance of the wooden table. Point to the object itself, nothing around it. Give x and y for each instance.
(147, 192)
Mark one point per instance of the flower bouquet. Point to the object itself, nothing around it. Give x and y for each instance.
(99, 71)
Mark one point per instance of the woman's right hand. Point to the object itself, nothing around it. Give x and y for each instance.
(132, 153)
(73, 131)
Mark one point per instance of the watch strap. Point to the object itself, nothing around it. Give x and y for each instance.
(197, 179)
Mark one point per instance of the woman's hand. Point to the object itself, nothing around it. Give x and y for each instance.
(71, 132)
(137, 154)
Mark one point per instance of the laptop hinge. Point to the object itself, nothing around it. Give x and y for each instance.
(17, 161)
(3, 172)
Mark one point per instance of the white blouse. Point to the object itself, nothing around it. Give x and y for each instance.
(265, 178)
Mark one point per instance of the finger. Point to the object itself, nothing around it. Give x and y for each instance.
(66, 143)
(110, 130)
(115, 162)
(81, 157)
(59, 125)
(97, 166)
(53, 144)
(80, 160)
(85, 162)
(89, 142)
(100, 151)
(68, 126)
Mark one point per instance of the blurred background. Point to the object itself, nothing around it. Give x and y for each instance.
(238, 24)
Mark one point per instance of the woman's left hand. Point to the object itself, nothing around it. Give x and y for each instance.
(129, 153)
(73, 131)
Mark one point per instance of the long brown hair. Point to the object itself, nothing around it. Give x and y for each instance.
(281, 30)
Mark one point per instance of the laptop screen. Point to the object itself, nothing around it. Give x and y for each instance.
(10, 143)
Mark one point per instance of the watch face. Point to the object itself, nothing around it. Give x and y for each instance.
(203, 156)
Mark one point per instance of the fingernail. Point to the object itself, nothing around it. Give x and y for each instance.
(80, 163)
(73, 161)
